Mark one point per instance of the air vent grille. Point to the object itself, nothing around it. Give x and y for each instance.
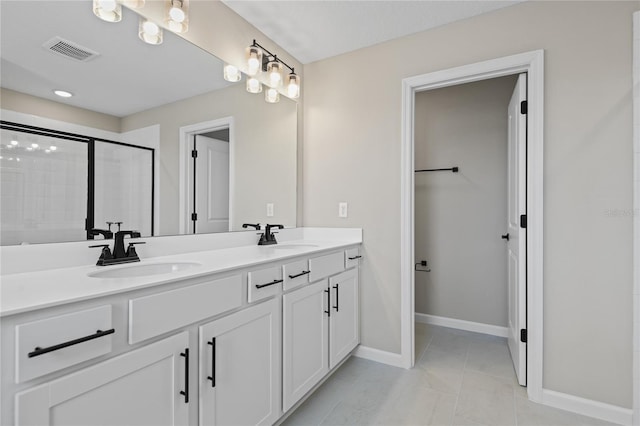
(70, 49)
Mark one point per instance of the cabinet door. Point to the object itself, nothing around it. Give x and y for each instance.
(141, 387)
(305, 353)
(344, 324)
(240, 367)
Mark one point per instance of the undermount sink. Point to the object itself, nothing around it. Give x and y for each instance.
(143, 270)
(292, 246)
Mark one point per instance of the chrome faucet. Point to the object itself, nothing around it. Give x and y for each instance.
(119, 255)
(268, 238)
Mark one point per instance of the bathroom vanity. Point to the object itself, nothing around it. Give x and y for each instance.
(233, 335)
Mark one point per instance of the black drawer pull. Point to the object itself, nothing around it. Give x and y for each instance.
(40, 351)
(185, 392)
(268, 284)
(212, 377)
(355, 257)
(337, 296)
(300, 274)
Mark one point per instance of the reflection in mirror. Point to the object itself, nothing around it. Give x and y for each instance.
(157, 97)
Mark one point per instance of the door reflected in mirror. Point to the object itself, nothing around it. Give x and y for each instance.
(150, 96)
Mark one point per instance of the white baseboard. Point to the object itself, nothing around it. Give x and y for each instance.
(587, 407)
(477, 327)
(377, 355)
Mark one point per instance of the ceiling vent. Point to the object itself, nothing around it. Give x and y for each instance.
(69, 49)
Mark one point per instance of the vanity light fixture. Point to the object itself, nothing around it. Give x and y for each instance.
(260, 59)
(107, 10)
(271, 95)
(178, 15)
(149, 32)
(232, 73)
(254, 85)
(63, 93)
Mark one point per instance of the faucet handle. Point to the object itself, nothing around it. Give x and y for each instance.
(119, 224)
(104, 255)
(131, 250)
(109, 224)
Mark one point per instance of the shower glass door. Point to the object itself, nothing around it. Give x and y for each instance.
(43, 188)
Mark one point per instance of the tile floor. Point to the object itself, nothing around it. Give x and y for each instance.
(460, 378)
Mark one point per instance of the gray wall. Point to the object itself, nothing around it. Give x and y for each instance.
(351, 153)
(459, 217)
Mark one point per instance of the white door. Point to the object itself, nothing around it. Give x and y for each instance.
(516, 242)
(240, 367)
(212, 185)
(305, 338)
(141, 387)
(344, 329)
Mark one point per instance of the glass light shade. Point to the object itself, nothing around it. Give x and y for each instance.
(271, 95)
(107, 10)
(293, 86)
(274, 73)
(178, 15)
(253, 85)
(149, 32)
(254, 60)
(134, 4)
(232, 73)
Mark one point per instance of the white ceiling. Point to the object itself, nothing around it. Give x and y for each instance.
(129, 75)
(311, 30)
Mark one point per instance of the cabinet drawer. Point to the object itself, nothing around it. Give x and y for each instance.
(153, 315)
(55, 343)
(323, 266)
(352, 257)
(295, 274)
(264, 283)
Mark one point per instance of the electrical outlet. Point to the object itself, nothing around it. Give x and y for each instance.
(269, 209)
(343, 210)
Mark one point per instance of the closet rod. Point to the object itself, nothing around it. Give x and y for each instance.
(453, 169)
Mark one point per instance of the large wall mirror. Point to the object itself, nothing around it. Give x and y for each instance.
(123, 143)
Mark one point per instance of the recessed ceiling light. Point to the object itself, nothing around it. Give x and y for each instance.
(63, 94)
(34, 145)
(14, 142)
(53, 147)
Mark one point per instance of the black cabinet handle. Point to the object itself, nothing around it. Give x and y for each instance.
(40, 351)
(185, 392)
(337, 296)
(505, 236)
(300, 274)
(268, 284)
(212, 377)
(328, 311)
(355, 257)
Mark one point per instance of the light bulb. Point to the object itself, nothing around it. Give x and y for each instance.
(253, 85)
(107, 10)
(178, 15)
(293, 86)
(231, 73)
(34, 145)
(274, 71)
(149, 32)
(271, 95)
(254, 60)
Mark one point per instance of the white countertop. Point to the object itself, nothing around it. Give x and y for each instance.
(28, 291)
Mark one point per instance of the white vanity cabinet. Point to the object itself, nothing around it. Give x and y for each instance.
(240, 346)
(142, 387)
(240, 367)
(320, 326)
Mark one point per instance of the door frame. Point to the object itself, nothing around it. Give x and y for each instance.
(186, 167)
(533, 64)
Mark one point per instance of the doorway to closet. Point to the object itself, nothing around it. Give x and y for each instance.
(469, 194)
(531, 63)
